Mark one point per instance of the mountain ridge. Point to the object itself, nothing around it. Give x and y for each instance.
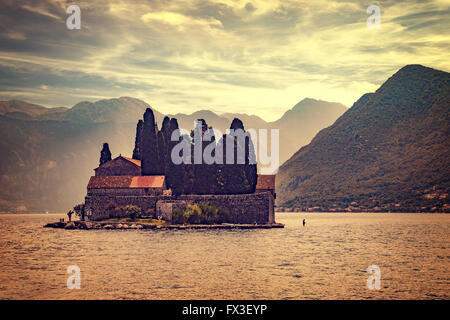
(48, 157)
(388, 152)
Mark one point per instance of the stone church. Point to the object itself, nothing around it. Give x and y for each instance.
(155, 184)
(119, 181)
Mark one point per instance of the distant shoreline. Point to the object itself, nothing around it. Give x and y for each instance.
(368, 212)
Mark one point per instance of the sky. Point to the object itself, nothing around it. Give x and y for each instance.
(256, 57)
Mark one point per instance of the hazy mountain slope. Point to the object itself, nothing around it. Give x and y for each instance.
(124, 109)
(24, 110)
(390, 151)
(49, 153)
(296, 127)
(250, 121)
(45, 164)
(299, 124)
(186, 121)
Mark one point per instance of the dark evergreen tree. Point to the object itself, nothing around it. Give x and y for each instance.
(211, 170)
(251, 170)
(221, 173)
(239, 176)
(236, 176)
(138, 140)
(188, 169)
(250, 167)
(161, 152)
(206, 178)
(165, 128)
(237, 124)
(150, 163)
(105, 154)
(174, 172)
(204, 174)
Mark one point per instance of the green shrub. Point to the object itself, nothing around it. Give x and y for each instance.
(178, 216)
(80, 210)
(201, 213)
(132, 211)
(193, 214)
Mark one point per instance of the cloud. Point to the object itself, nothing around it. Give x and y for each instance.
(179, 20)
(224, 55)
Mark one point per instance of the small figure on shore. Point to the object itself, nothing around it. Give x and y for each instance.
(304, 222)
(69, 214)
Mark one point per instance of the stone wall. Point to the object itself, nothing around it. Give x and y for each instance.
(125, 192)
(97, 204)
(244, 208)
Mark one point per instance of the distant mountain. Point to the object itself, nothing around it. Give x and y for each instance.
(250, 121)
(220, 122)
(45, 164)
(21, 106)
(300, 124)
(48, 154)
(297, 126)
(17, 109)
(124, 109)
(186, 121)
(389, 152)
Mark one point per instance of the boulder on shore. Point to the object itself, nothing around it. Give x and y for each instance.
(70, 225)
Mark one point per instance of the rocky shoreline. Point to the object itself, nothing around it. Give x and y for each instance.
(89, 225)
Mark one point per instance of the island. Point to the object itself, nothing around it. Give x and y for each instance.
(165, 185)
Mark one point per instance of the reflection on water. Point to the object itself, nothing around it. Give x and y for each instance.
(326, 259)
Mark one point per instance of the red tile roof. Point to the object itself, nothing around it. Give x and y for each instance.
(147, 182)
(136, 162)
(114, 182)
(265, 182)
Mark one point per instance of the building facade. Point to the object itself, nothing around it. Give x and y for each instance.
(118, 183)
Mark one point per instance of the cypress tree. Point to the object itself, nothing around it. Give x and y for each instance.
(203, 174)
(165, 131)
(188, 169)
(211, 170)
(105, 154)
(251, 170)
(138, 140)
(161, 152)
(237, 124)
(165, 128)
(250, 167)
(150, 163)
(174, 173)
(221, 178)
(237, 177)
